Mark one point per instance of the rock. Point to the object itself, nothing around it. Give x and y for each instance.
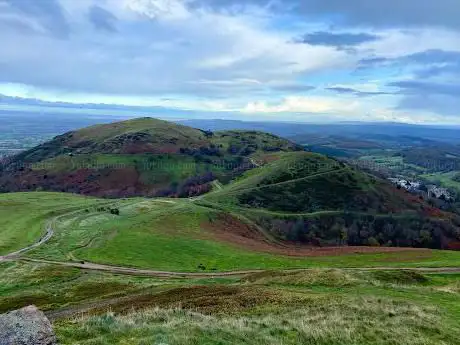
(26, 326)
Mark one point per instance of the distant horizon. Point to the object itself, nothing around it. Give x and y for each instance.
(117, 111)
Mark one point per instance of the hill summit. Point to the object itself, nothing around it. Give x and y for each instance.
(139, 157)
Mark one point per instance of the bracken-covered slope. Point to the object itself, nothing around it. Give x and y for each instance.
(142, 156)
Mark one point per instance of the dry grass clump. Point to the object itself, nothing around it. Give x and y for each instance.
(322, 277)
(333, 322)
(337, 277)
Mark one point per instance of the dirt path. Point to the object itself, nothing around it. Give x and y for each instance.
(44, 239)
(169, 274)
(49, 233)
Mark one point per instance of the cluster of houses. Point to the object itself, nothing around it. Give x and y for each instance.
(439, 192)
(417, 187)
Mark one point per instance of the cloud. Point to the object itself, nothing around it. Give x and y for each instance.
(435, 103)
(424, 88)
(372, 62)
(161, 9)
(48, 14)
(424, 64)
(352, 91)
(377, 14)
(337, 39)
(102, 19)
(432, 63)
(435, 56)
(235, 54)
(439, 98)
(291, 87)
(302, 104)
(389, 13)
(162, 47)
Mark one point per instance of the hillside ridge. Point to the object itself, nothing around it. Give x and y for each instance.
(138, 157)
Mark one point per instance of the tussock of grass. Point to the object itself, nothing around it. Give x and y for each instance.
(50, 287)
(358, 321)
(338, 278)
(399, 277)
(305, 278)
(210, 299)
(451, 288)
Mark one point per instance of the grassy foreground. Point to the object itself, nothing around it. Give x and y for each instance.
(320, 306)
(312, 307)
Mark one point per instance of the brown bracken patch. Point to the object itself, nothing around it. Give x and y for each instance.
(212, 299)
(231, 230)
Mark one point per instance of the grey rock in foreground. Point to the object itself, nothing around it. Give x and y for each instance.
(26, 326)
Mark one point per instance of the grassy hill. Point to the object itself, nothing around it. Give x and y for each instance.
(307, 198)
(143, 156)
(305, 182)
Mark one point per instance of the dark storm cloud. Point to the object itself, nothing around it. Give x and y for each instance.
(337, 39)
(48, 13)
(102, 19)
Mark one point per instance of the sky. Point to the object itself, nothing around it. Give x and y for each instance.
(287, 60)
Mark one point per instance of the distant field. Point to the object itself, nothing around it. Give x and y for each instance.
(384, 160)
(446, 179)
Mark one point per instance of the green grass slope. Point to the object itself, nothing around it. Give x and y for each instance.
(173, 234)
(25, 215)
(137, 157)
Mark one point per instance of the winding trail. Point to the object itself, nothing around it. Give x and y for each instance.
(239, 273)
(49, 233)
